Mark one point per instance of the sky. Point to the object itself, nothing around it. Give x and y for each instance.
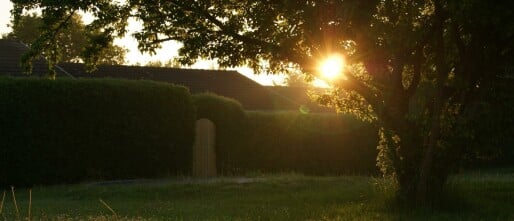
(5, 8)
(167, 52)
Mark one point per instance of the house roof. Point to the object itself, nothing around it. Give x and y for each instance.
(299, 98)
(232, 84)
(10, 53)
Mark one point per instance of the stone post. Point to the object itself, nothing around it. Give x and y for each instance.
(204, 152)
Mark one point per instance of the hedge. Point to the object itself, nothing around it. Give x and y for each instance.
(321, 144)
(65, 131)
(230, 119)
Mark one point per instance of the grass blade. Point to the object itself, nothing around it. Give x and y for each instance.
(30, 203)
(15, 204)
(108, 207)
(2, 203)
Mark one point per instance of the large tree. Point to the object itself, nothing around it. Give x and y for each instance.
(418, 69)
(69, 41)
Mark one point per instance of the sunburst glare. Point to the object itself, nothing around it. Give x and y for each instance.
(332, 67)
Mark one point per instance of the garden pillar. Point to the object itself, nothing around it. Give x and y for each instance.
(204, 153)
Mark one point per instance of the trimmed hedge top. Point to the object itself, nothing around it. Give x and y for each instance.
(61, 131)
(219, 109)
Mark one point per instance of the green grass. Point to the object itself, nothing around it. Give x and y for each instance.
(475, 196)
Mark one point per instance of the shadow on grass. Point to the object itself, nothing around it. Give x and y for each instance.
(470, 196)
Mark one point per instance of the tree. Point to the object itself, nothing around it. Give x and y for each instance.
(172, 63)
(297, 79)
(418, 69)
(70, 41)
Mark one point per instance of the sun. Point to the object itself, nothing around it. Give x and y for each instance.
(332, 67)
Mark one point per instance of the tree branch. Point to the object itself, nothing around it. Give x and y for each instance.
(224, 28)
(353, 83)
(409, 92)
(397, 73)
(158, 41)
(418, 60)
(461, 47)
(435, 120)
(61, 25)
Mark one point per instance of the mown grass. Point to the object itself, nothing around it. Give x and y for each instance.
(474, 196)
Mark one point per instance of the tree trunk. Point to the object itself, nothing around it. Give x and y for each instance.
(408, 153)
(419, 183)
(418, 179)
(428, 179)
(423, 186)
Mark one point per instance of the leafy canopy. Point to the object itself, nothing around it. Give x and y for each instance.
(68, 41)
(282, 33)
(71, 40)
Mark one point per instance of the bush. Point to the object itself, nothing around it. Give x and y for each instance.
(230, 119)
(322, 144)
(66, 130)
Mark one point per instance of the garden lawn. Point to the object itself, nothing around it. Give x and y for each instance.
(474, 196)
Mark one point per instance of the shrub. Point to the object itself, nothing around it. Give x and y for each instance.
(66, 130)
(323, 144)
(230, 119)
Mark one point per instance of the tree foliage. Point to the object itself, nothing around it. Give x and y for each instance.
(70, 40)
(168, 64)
(418, 69)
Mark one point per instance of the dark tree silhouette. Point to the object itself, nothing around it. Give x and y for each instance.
(69, 41)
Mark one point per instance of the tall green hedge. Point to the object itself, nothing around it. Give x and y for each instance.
(322, 144)
(62, 131)
(231, 124)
